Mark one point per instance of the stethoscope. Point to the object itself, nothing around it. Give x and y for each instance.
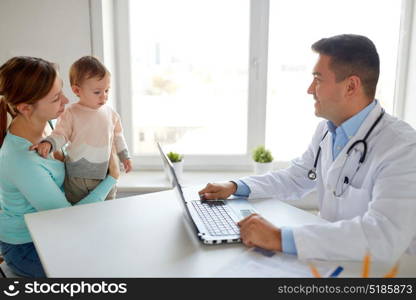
(312, 173)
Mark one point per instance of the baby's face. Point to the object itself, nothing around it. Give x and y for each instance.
(93, 92)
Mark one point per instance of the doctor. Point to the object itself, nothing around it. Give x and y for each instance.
(361, 162)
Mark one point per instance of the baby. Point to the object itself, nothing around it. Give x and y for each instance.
(90, 128)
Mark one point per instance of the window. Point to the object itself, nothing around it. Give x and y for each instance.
(213, 79)
(189, 75)
(290, 112)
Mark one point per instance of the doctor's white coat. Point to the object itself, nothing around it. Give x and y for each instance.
(377, 211)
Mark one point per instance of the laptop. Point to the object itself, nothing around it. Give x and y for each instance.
(214, 221)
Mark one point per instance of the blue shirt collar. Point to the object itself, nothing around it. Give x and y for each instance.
(351, 126)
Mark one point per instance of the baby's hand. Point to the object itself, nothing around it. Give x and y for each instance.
(127, 164)
(59, 155)
(43, 148)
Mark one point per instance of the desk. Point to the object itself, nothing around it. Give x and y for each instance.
(146, 236)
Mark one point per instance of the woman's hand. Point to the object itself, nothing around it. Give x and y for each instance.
(113, 166)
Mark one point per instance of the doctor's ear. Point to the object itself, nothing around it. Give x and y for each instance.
(25, 109)
(353, 85)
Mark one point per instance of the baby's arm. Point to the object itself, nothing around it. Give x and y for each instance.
(42, 148)
(127, 164)
(61, 134)
(59, 155)
(121, 145)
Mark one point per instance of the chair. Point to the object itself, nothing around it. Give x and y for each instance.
(1, 270)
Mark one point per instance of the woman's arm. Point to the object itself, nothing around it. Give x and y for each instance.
(100, 192)
(36, 184)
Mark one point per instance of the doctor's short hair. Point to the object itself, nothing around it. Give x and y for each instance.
(352, 54)
(85, 68)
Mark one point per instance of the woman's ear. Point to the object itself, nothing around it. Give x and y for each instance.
(25, 109)
(75, 88)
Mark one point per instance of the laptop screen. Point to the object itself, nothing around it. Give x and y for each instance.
(167, 165)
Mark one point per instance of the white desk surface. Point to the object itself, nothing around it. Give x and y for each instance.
(147, 236)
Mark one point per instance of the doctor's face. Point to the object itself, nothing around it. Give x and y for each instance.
(328, 93)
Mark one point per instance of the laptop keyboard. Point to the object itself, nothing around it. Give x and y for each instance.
(216, 217)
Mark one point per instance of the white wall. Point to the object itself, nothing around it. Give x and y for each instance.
(56, 30)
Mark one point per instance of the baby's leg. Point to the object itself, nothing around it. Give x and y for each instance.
(92, 184)
(76, 188)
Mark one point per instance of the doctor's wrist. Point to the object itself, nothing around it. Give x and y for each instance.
(278, 244)
(233, 187)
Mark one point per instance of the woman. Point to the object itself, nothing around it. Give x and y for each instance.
(31, 92)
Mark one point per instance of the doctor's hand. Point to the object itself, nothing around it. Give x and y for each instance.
(257, 231)
(215, 191)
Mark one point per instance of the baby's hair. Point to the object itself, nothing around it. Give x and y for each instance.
(85, 68)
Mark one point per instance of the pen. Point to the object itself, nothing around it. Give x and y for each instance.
(314, 271)
(337, 271)
(392, 273)
(366, 265)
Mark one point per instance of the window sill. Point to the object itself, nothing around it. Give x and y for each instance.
(156, 181)
(141, 182)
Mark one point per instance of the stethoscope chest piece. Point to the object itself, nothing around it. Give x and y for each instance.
(312, 175)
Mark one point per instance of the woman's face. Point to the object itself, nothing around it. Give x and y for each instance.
(53, 104)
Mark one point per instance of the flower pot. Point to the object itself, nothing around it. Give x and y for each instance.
(262, 168)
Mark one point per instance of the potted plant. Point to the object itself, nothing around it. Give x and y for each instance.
(263, 160)
(177, 162)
